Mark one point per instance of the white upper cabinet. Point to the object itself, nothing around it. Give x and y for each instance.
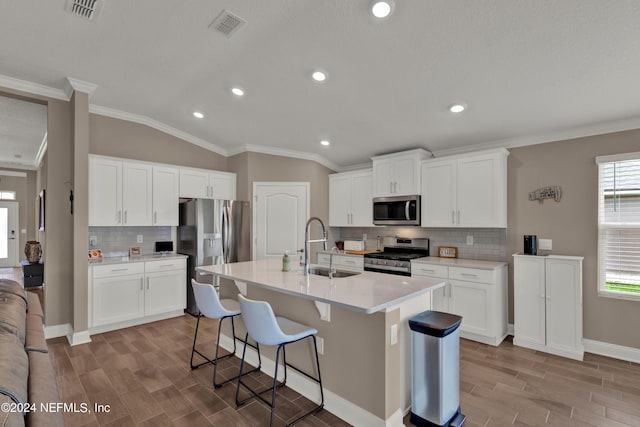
(465, 191)
(166, 196)
(350, 199)
(398, 174)
(119, 192)
(137, 204)
(204, 184)
(105, 192)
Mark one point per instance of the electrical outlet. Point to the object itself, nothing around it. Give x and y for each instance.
(394, 334)
(545, 244)
(364, 237)
(139, 238)
(93, 240)
(470, 239)
(320, 343)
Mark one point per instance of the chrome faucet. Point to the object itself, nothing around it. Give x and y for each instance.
(332, 270)
(307, 241)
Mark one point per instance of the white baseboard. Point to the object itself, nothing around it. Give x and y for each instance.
(629, 354)
(77, 338)
(56, 331)
(337, 405)
(66, 330)
(134, 322)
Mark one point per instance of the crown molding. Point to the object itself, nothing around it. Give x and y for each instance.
(275, 151)
(41, 151)
(71, 85)
(591, 129)
(32, 88)
(143, 120)
(13, 173)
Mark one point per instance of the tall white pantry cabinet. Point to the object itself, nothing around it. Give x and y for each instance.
(548, 304)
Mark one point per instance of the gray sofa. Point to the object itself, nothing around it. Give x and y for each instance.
(27, 378)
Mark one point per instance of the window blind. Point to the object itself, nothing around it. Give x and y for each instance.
(619, 225)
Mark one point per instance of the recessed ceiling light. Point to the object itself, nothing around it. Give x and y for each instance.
(382, 9)
(457, 108)
(325, 142)
(237, 91)
(198, 115)
(319, 76)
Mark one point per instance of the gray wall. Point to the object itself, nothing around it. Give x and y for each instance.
(573, 222)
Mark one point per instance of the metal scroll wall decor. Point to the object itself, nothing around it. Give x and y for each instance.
(552, 192)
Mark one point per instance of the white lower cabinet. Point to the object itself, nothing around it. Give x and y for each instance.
(122, 295)
(548, 304)
(479, 295)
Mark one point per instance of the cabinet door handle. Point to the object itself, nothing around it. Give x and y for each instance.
(147, 283)
(424, 270)
(468, 275)
(119, 217)
(395, 187)
(351, 219)
(453, 217)
(458, 217)
(141, 284)
(348, 261)
(118, 269)
(125, 217)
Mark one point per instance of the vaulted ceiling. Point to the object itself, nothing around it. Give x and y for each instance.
(527, 70)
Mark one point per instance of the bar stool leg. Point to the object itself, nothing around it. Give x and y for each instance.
(215, 361)
(193, 349)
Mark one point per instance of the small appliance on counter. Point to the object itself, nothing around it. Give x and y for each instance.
(164, 247)
(530, 245)
(353, 245)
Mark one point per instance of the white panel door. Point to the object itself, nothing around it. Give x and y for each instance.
(280, 213)
(194, 183)
(340, 200)
(563, 298)
(166, 196)
(382, 178)
(405, 182)
(223, 185)
(137, 206)
(105, 192)
(529, 300)
(8, 234)
(439, 193)
(362, 199)
(116, 299)
(478, 204)
(473, 301)
(164, 292)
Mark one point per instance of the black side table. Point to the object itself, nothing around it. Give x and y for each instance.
(32, 273)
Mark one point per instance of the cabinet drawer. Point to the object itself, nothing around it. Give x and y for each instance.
(430, 270)
(471, 275)
(165, 265)
(324, 259)
(118, 269)
(349, 261)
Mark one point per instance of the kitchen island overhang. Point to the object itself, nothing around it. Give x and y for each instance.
(365, 364)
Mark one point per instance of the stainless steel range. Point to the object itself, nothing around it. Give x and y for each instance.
(397, 255)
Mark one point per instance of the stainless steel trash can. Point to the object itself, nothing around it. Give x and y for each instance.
(435, 369)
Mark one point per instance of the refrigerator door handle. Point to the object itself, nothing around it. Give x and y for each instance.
(225, 234)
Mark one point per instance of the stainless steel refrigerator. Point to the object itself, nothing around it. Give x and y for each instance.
(212, 232)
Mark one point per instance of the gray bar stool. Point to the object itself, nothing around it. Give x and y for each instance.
(265, 328)
(210, 305)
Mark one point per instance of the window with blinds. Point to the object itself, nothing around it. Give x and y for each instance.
(619, 225)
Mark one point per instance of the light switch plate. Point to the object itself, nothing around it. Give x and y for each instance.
(394, 334)
(470, 239)
(320, 344)
(139, 238)
(545, 244)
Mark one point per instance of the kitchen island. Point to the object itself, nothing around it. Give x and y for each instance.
(362, 323)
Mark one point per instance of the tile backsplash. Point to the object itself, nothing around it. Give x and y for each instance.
(488, 243)
(116, 241)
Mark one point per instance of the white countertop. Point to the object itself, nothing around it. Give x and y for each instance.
(367, 292)
(457, 262)
(138, 258)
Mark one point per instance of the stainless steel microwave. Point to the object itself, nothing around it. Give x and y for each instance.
(398, 210)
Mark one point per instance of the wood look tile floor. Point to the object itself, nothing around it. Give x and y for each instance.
(143, 374)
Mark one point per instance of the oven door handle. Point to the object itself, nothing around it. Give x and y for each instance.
(406, 210)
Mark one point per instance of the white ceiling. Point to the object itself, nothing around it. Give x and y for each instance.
(529, 70)
(23, 127)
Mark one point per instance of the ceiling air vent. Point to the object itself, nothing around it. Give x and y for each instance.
(87, 9)
(227, 23)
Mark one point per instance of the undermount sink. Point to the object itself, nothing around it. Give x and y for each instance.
(337, 274)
